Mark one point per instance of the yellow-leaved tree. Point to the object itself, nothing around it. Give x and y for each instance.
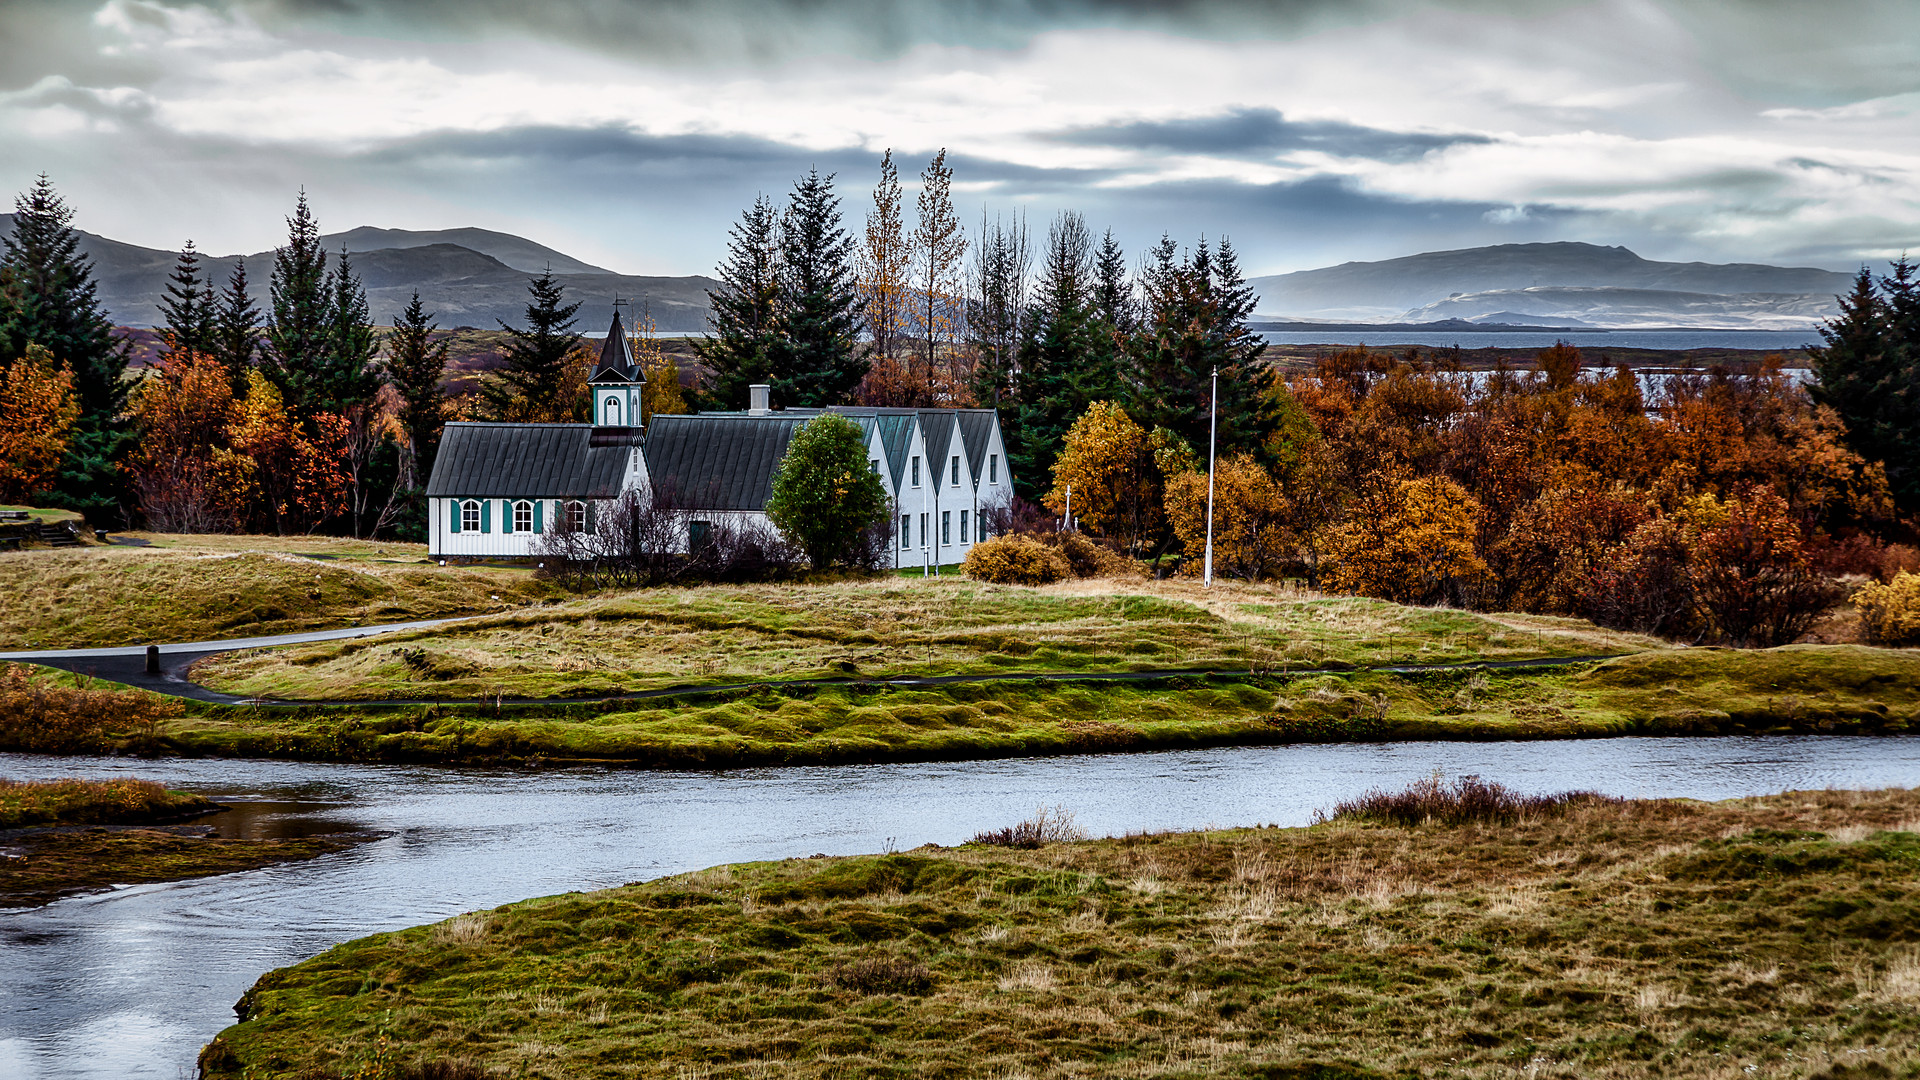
(1410, 542)
(1108, 464)
(1252, 537)
(37, 413)
(661, 396)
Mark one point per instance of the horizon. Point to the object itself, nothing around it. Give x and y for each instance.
(1313, 133)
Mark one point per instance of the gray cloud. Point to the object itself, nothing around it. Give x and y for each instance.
(1265, 133)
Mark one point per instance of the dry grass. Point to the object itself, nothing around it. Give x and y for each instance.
(198, 588)
(883, 628)
(1663, 939)
(92, 802)
(48, 711)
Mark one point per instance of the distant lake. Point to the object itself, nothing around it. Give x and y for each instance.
(1591, 339)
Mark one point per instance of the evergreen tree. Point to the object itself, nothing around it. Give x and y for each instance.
(236, 336)
(534, 384)
(49, 298)
(348, 376)
(816, 361)
(415, 365)
(189, 308)
(1114, 322)
(1869, 372)
(1052, 387)
(299, 334)
(1112, 293)
(1194, 322)
(745, 311)
(997, 310)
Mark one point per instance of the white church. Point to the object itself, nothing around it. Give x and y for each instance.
(497, 489)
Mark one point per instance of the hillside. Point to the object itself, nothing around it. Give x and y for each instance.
(466, 277)
(1474, 283)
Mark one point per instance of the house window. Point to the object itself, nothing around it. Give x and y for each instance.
(993, 468)
(946, 526)
(906, 531)
(983, 529)
(699, 535)
(610, 412)
(956, 470)
(923, 530)
(916, 472)
(874, 464)
(470, 517)
(523, 517)
(963, 526)
(576, 517)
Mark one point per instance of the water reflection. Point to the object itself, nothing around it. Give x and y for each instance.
(131, 983)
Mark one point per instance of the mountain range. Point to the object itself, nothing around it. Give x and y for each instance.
(473, 277)
(466, 277)
(1562, 284)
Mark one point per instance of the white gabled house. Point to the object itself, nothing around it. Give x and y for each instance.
(498, 489)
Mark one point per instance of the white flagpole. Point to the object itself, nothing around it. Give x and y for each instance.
(1213, 417)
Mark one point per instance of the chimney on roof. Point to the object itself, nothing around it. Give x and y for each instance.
(757, 399)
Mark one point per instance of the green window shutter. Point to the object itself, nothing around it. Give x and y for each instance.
(539, 515)
(453, 512)
(486, 515)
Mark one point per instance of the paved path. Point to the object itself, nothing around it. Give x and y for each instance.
(128, 665)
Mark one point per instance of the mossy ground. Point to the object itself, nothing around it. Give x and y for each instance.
(204, 587)
(888, 628)
(1841, 689)
(1771, 937)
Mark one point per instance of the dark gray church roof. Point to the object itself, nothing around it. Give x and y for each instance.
(616, 363)
(531, 461)
(722, 462)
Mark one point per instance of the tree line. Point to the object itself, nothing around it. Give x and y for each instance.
(302, 417)
(934, 316)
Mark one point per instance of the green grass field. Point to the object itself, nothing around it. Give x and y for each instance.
(1759, 938)
(1841, 689)
(718, 635)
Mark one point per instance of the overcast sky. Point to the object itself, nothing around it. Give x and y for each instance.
(632, 134)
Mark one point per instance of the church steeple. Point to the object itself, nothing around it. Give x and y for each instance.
(616, 380)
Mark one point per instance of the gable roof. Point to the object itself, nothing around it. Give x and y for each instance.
(720, 462)
(896, 434)
(976, 429)
(530, 461)
(616, 362)
(939, 426)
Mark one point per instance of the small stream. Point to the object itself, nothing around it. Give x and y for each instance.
(131, 982)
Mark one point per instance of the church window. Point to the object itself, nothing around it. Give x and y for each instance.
(610, 412)
(523, 517)
(470, 517)
(576, 517)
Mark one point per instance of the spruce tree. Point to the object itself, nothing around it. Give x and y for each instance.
(1053, 388)
(745, 311)
(189, 308)
(348, 376)
(415, 365)
(534, 381)
(50, 299)
(236, 333)
(816, 361)
(299, 333)
(1195, 322)
(1869, 373)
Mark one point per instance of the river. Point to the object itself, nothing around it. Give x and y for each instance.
(130, 983)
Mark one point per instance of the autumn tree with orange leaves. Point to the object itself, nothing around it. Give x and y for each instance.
(37, 412)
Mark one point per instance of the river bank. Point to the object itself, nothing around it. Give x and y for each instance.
(94, 986)
(1803, 689)
(1621, 938)
(65, 837)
